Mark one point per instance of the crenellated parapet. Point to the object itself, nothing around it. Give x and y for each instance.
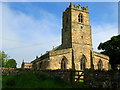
(78, 7)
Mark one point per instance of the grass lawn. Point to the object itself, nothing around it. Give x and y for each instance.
(37, 80)
(33, 80)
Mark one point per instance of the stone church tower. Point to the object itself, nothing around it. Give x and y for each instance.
(76, 32)
(75, 52)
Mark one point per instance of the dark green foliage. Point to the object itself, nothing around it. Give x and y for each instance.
(82, 86)
(3, 58)
(112, 49)
(10, 82)
(6, 62)
(33, 80)
(11, 63)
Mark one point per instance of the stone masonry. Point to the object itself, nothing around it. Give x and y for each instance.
(75, 52)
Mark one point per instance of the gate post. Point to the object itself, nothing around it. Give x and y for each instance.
(72, 76)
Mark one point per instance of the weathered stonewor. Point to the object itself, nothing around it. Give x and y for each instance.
(75, 51)
(94, 78)
(13, 71)
(67, 75)
(102, 79)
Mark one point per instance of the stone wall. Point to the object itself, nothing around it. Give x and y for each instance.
(57, 56)
(53, 60)
(13, 71)
(105, 60)
(102, 79)
(94, 78)
(67, 75)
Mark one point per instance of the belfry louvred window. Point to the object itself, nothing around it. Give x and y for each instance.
(80, 18)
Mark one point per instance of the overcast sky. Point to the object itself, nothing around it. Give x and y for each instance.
(31, 29)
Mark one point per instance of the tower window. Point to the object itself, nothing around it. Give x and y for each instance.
(80, 18)
(82, 37)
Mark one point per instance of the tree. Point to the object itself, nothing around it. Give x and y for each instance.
(112, 49)
(6, 62)
(3, 58)
(11, 63)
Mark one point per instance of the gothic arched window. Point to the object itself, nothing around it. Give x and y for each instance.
(80, 18)
(64, 63)
(83, 63)
(100, 65)
(40, 65)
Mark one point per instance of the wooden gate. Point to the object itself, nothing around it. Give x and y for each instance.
(79, 75)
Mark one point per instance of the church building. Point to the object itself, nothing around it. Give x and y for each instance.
(76, 51)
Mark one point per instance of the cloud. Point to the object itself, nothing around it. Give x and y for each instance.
(24, 36)
(102, 33)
